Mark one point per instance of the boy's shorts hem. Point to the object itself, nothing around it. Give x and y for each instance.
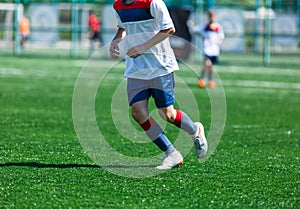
(160, 88)
(213, 59)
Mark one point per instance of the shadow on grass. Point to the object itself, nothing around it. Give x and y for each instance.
(45, 165)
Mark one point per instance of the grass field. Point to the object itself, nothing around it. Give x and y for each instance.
(255, 165)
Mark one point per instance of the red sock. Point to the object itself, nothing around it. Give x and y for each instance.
(147, 124)
(178, 118)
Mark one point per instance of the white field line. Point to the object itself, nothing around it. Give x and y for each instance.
(264, 84)
(259, 71)
(251, 83)
(4, 72)
(9, 72)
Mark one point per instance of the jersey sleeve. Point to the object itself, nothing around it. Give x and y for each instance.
(120, 24)
(161, 14)
(199, 30)
(221, 33)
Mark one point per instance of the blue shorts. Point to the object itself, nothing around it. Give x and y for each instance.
(213, 59)
(160, 88)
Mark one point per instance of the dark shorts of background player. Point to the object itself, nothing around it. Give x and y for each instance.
(95, 36)
(160, 88)
(24, 37)
(213, 59)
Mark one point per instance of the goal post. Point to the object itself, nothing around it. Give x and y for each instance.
(13, 12)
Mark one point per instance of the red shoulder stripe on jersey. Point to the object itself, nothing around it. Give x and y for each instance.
(119, 5)
(215, 28)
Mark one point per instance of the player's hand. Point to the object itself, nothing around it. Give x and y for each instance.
(114, 50)
(136, 51)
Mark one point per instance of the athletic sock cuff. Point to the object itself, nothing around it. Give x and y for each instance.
(147, 124)
(178, 118)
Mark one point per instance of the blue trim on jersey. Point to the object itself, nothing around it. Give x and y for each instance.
(136, 14)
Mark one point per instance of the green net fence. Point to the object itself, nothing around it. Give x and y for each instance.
(60, 27)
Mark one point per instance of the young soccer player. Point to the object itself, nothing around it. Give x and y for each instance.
(150, 63)
(213, 35)
(24, 28)
(94, 27)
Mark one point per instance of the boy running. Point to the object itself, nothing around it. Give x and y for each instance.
(150, 63)
(213, 35)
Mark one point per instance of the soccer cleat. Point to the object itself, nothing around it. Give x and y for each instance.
(201, 83)
(171, 161)
(200, 141)
(212, 84)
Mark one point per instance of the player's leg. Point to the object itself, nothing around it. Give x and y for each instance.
(139, 111)
(184, 122)
(164, 100)
(211, 82)
(100, 39)
(178, 118)
(201, 81)
(139, 92)
(91, 48)
(22, 41)
(203, 72)
(92, 43)
(163, 95)
(138, 97)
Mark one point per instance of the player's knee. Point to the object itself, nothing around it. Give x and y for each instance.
(167, 115)
(208, 63)
(135, 114)
(138, 115)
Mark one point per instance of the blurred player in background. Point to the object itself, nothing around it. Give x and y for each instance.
(150, 63)
(24, 28)
(212, 35)
(94, 31)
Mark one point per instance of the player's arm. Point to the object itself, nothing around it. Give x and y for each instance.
(219, 41)
(198, 30)
(221, 36)
(157, 38)
(160, 12)
(114, 48)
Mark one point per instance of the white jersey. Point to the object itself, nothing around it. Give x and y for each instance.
(141, 20)
(211, 34)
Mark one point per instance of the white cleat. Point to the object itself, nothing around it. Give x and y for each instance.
(200, 141)
(175, 159)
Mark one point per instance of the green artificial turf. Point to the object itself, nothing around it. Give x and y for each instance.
(44, 165)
